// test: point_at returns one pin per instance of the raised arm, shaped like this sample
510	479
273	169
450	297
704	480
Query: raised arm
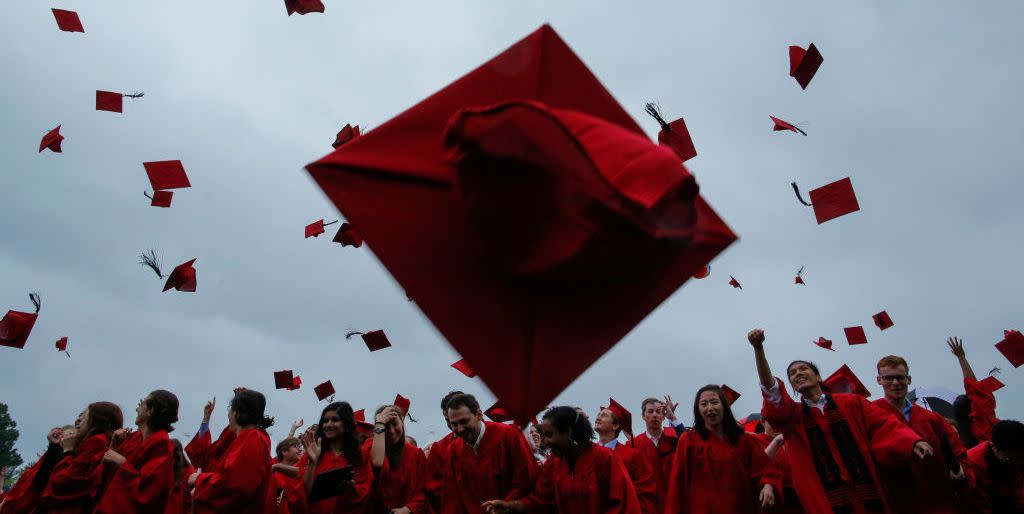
764	372
956	345
295	426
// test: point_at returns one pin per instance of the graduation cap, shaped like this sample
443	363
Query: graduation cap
348	236
464	368
68	21
845	381
160	198
182	278
558	251
317	227
673	135
803	64
284	379
403	403
831	201
346	134
51	140
16	326
62	346
785	125
498	413
799	276
731	395
303	6
623	415
296	383
166	175
882	320
113	102
824	343
361	425
855	335
734	283
324	390
991	384
703	272
1012	347
375	340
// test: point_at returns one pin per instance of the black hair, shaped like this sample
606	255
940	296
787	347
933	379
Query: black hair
463	400
249	407
569	419
180	462
393	451
349	441
730	427
1008	437
964	425
449	396
163	407
813	366
101	418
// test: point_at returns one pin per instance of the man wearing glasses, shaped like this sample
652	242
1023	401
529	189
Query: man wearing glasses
937	484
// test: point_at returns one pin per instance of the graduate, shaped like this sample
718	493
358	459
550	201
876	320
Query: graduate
835	441
935	485
580	476
77	478
240	480
717	466
608	424
286	481
24	496
658	443
181	494
975	412
773	444
489	461
143	480
438	457
203	452
997	469
399	468
331	446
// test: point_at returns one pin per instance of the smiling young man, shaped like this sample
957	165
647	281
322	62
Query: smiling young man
936	485
836	442
608	424
658	443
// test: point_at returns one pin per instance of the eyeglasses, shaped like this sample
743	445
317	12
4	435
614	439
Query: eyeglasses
894	378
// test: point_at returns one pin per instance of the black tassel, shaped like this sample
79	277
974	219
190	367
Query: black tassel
147	195
137	94
331	223
652	109
150	260
800	271
798	197
350	334
994	371
36	300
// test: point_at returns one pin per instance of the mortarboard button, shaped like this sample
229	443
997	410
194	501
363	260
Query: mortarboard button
803	64
284	379
346	134
831	201
68	21
845	381
52	140
731	395
464	368
324	390
348	236
824	343
375	340
673	135
1012	347
882	320
785	125
16	326
734	283
855	335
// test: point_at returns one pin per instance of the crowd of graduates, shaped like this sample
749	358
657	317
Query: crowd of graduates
829	452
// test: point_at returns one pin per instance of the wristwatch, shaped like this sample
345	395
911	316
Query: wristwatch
378	428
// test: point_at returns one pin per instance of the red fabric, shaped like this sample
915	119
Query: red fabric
287	492
1009	490
376	340
52	140
597	484
402	487
162	199
824	343
204	453
734	283
983	409
68	21
855	335
502	468
659	458
438	472
62	344
642	477
781	125
315	229
240	480
166	175
464	368
787	502
834	200
15	327
531	335
181	496
713	476
678	139
77	479
803	64
109	101
844	380
23	498
882	320
182	278
348	236
1012	347
346	134
881	438
929	488
324	390
303	6
143	484
356	501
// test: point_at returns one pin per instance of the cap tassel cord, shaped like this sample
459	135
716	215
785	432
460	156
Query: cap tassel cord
798	197
652	109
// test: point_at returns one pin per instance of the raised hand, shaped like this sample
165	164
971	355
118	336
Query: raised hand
208	409
119	436
956	345
756	337
312	446
670	408
54	436
68	440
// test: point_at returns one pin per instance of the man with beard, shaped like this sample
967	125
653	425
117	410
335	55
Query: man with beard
438	460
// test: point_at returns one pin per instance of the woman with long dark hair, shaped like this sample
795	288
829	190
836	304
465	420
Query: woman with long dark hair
181	495
580	476
717	466
974	412
399	468
77	479
240	481
332	446
143	479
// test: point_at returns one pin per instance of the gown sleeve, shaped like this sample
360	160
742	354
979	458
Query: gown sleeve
983	410
239	475
80	475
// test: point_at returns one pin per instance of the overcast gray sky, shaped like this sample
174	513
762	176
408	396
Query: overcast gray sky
917	101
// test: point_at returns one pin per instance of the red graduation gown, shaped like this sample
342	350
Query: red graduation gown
204	453
353	502
181	496
787	502
712	476
240	480
880	439
659	458
287	492
23	498
143	484
643	479
438	466
404	486
1006	494
929	489
983	410
502	468
77	480
597	484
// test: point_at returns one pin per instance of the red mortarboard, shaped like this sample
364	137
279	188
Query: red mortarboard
799	276
68	20
317	227
346	134
283	379
361	425
464	368
108	101
52	140
16	326
296	383
182	278
673	135
845	381
731	395
824	343
991	384
831	201
703	272
303	6
882	320
348	236
1012	347
734	283
166	175
803	64
62	344
324	390
624	416
785	125
855	335
375	340
402	403
498	413
525	250
161	198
